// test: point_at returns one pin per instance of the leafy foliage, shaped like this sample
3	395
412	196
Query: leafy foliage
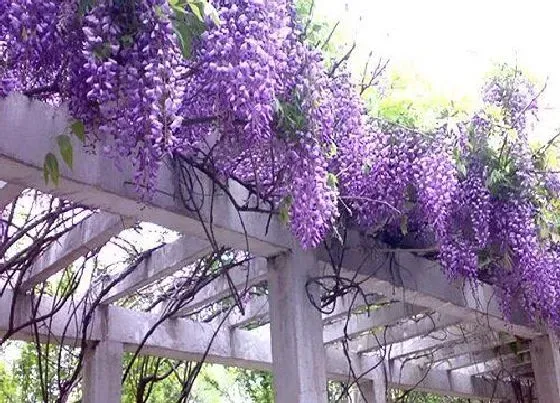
250	79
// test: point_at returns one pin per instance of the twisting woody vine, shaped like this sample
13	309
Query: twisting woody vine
235	90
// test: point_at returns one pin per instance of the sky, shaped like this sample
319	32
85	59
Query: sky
453	44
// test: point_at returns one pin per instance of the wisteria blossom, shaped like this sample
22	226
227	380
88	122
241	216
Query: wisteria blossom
249	99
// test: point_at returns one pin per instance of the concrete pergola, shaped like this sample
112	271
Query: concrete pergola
443	337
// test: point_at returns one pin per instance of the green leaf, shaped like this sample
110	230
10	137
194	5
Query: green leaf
102	51
544	232
215	265
184	38
78	129
284	214
332	150
507	261
202	9
197	9
284	211
127	40
404	224
159	12
496	178
461	168
211	12
66	151
84	6
332	180
46	174
50	169
187	27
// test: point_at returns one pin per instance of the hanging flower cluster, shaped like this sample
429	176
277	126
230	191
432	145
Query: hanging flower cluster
234	89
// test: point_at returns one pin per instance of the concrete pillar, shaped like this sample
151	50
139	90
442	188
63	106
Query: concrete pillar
298	354
370	391
545	357
102	373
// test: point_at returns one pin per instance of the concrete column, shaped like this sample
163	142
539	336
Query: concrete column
102	373
545	357
370	391
298	354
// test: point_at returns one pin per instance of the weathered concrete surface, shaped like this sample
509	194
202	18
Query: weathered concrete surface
402	374
96	182
363	322
545	356
370	391
93	232
296	330
174	339
402	332
247	275
8	193
421	282
102	373
162	262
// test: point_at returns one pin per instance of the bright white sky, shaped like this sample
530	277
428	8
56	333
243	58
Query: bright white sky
454	43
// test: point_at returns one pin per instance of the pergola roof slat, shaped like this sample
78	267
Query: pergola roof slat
162	262
93	232
8	193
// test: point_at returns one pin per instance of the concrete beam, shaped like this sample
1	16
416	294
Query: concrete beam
432	342
545	355
404	375
91	233
96	182
373	390
405	331
480	358
102	373
63	323
296	330
454	356
348	302
244	277
421	282
364	322
183	339
8	193
483	355
256	310
161	263
521	371
500	365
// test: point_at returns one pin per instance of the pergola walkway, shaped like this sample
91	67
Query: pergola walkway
429	334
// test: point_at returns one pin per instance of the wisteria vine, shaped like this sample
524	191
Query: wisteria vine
233	87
